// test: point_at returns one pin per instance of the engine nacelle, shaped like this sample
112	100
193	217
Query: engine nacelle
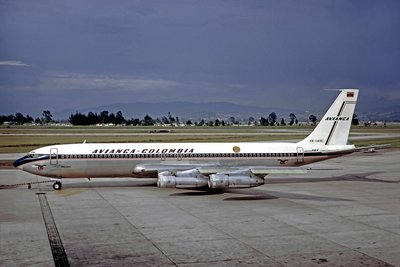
220	181
182	179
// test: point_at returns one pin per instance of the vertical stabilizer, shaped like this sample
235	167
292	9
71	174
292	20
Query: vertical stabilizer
334	127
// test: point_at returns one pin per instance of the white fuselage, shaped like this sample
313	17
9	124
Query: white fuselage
90	160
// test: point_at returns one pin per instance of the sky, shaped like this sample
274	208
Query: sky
73	54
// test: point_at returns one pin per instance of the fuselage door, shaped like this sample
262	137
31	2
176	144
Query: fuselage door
163	157
300	155
53	156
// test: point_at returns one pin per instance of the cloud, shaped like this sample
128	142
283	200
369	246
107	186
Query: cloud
13	63
106	82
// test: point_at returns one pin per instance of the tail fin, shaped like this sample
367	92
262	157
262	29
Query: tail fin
334	127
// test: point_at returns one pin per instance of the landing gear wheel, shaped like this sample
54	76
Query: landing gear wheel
57	186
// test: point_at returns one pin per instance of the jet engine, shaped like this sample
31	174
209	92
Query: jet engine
181	179
234	180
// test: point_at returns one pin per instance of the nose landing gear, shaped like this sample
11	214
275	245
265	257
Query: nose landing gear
57	185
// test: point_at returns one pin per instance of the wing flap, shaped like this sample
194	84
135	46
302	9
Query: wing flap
277	170
152	168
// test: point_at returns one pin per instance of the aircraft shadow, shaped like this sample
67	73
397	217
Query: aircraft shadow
356	177
111	184
198	193
250	195
255	194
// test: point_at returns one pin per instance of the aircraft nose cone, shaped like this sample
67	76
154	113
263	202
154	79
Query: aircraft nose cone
20	161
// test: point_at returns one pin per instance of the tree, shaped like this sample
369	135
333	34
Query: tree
148	121
6	118
170	118
355	120
28	119
157	121
283	122
165	120
189	122
104	116
201	123
292	119
217	122
19	118
134	122
272	118
313	119
47	116
232	120
111	118
93	118
264	121
251	121
79	119
119	118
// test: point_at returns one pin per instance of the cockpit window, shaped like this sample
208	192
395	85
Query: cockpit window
33	156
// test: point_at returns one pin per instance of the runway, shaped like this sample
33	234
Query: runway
344	213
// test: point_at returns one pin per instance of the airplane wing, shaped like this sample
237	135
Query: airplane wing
211	176
207	169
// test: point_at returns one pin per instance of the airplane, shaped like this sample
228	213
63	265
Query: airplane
199	165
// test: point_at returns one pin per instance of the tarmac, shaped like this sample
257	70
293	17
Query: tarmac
346	212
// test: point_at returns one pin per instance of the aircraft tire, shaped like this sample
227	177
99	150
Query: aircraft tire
57	186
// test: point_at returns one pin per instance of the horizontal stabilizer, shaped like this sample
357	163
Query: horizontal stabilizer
371	148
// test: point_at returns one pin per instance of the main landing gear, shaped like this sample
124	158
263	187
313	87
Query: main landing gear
57	185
